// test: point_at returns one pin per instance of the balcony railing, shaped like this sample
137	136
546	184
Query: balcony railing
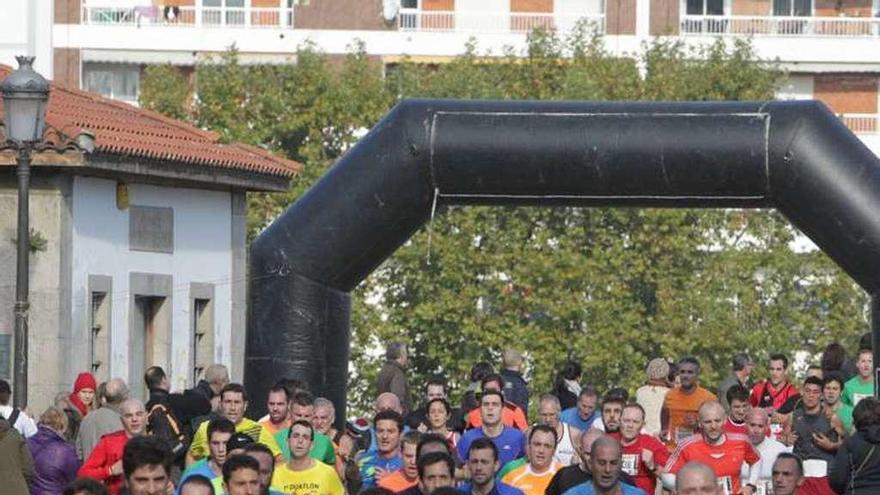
862	123
492	22
249	17
734	25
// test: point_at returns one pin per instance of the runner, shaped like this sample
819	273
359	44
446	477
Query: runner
584	413
278	405
303	475
567	435
861	385
219	432
408	477
233	404
439	415
738	398
768	448
435	388
376	464
831	394
576	474
788	474
612	408
482	465
643	455
605	463
724	453
534	476
302	408
436	470
773	391
509	441
679	418
652	394
511	414
241	475
816	433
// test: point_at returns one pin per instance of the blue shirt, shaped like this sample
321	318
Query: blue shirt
370	460
498	489
586	488
511	444
571	417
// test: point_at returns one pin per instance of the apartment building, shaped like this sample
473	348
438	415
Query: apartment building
831	48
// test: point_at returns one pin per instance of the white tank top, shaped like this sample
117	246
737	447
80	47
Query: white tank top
564	447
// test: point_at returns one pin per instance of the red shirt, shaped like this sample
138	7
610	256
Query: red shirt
764	394
106	453
731	427
633	465
725	458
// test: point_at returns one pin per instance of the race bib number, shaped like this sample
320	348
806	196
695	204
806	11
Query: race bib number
725	483
682	434
775	430
858	398
630	464
764	487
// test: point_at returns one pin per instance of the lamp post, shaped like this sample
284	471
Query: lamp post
25	94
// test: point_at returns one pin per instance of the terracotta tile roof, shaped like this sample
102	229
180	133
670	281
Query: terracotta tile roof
124	130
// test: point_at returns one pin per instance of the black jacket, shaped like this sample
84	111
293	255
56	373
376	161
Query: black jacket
516	389
857	463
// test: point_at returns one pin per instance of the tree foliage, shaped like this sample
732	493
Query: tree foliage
611	288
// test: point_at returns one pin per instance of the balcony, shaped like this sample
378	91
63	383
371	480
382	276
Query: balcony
207	17
862	123
784	26
492	22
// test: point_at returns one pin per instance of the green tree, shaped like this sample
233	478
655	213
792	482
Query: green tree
609	287
166	91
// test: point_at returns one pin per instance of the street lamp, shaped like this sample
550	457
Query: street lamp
25	95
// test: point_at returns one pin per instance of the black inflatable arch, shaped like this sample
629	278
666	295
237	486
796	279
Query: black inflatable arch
793	156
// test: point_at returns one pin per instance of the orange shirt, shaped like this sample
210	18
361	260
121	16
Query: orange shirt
397	482
511	415
530	482
725	459
683	409
266	423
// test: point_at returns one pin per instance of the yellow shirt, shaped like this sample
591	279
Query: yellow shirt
320	479
530	482
199	447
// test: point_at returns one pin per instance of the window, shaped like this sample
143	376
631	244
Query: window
99	335
202	337
797	8
223	12
150	339
705	7
116	81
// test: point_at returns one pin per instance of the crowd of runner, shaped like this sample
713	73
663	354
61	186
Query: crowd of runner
672	435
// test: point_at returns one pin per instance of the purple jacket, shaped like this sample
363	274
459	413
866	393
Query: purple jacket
55	462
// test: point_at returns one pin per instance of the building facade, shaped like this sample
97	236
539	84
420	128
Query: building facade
138	246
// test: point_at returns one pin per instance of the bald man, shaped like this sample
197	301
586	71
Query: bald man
696	478
768	448
724	452
606	458
386	401
106	419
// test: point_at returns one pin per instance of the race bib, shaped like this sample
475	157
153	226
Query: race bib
726	485
682	434
775	430
815	468
764	487
629	464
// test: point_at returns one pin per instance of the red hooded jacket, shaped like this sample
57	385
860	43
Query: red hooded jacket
106	454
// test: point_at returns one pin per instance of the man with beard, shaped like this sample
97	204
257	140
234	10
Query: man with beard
482	465
278	406
678	418
612	408
643	455
605	464
535	475
724	452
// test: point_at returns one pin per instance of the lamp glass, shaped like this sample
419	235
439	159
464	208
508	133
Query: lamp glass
25	118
